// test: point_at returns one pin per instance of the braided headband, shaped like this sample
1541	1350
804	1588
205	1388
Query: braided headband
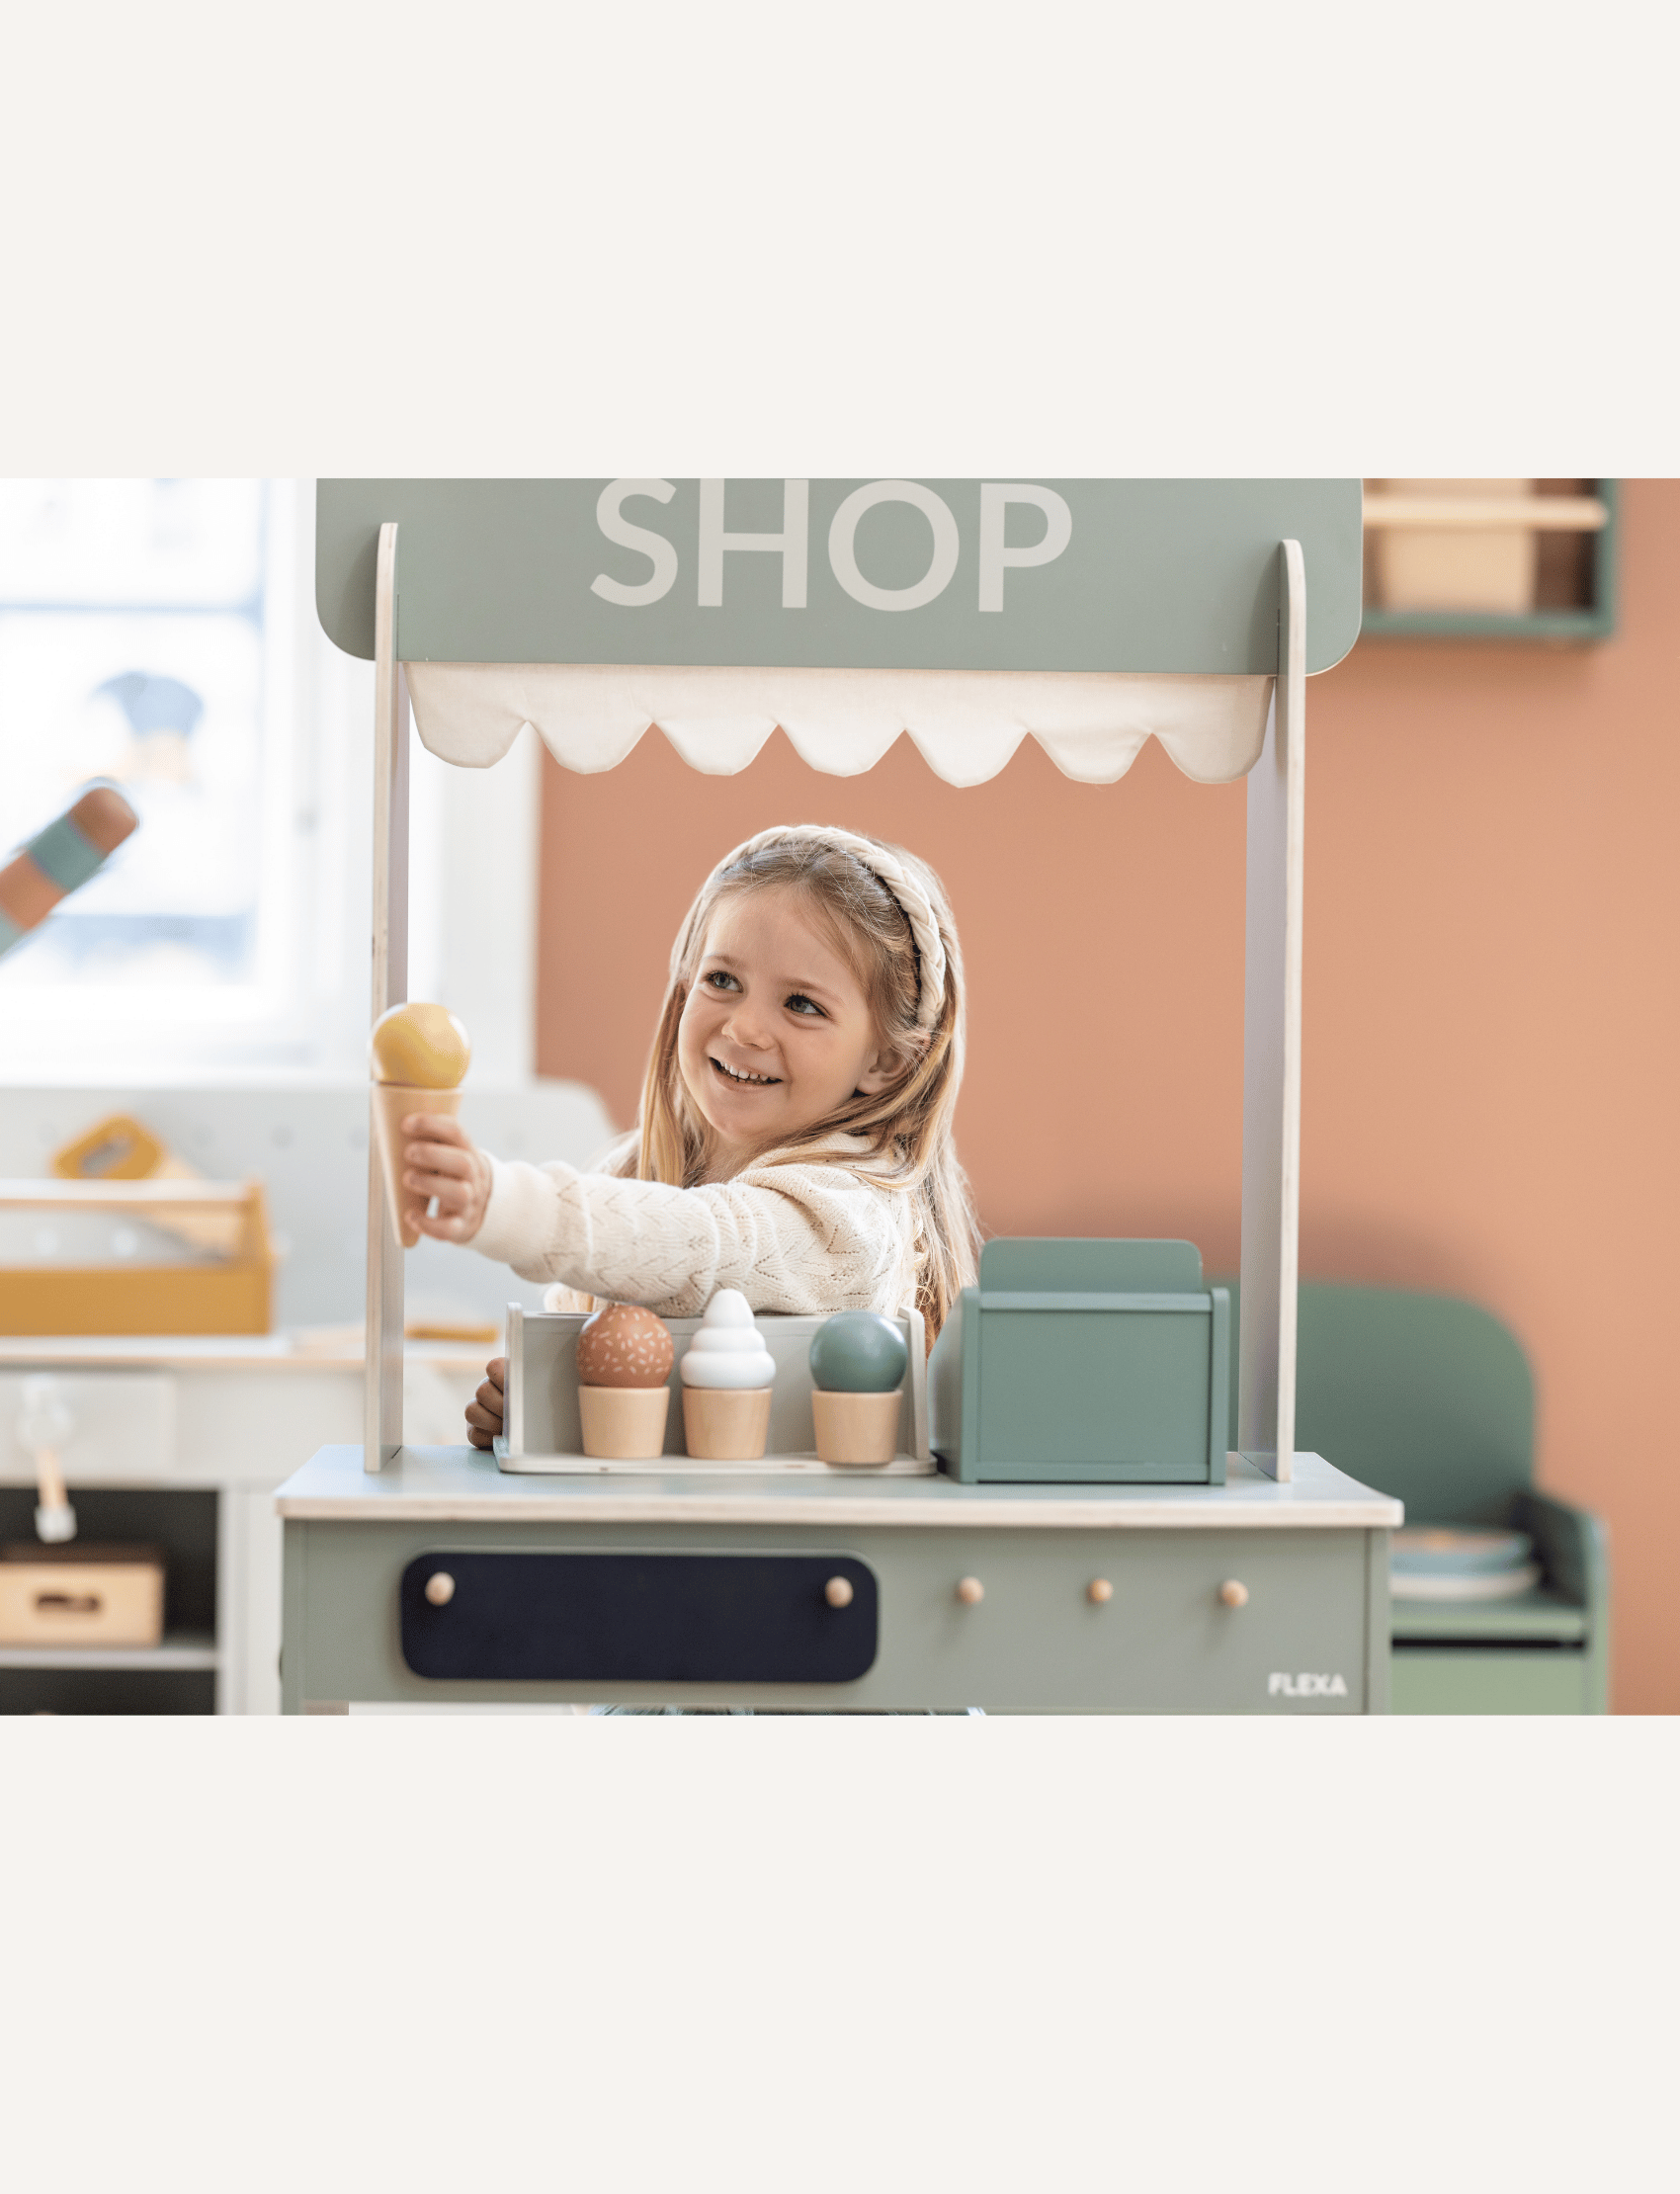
913	902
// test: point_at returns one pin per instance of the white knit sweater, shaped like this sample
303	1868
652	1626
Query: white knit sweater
811	1237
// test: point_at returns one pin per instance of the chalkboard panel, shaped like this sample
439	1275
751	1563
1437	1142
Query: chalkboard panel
634	1617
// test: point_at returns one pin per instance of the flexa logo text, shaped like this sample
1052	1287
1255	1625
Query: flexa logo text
1305	1687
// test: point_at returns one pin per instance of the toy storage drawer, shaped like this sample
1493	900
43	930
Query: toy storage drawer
1195	1622
1296	1641
640	1618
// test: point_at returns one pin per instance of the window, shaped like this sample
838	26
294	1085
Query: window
161	633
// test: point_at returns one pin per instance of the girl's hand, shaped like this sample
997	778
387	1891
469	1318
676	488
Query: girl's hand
442	1161
484	1412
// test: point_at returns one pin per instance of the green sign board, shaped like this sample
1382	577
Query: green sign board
1013	575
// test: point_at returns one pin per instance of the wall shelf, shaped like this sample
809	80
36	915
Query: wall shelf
180	1675
1590	621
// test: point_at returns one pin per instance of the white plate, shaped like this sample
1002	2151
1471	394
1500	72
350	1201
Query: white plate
1503	1584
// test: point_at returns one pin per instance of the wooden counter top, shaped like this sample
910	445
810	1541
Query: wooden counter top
463	1485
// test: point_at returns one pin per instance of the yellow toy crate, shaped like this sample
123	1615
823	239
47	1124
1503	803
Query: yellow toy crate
134	1257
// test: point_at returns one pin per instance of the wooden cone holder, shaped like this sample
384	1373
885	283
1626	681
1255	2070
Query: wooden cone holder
624	1424
856	1430
393	1103
724	1424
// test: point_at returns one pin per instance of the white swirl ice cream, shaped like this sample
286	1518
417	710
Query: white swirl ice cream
727	1352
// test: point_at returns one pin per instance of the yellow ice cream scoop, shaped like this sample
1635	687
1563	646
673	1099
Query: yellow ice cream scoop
422	1047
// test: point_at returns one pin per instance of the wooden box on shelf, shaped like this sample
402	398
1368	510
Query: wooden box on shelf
148	1256
1431	555
70	1595
1491	559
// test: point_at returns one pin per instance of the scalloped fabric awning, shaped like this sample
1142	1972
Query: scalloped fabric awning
965	723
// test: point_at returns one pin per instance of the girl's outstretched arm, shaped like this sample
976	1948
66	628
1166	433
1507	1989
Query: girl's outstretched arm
811	1237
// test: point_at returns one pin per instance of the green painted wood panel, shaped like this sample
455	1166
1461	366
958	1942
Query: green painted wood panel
1089	1265
1081	1361
1035	1644
1157	575
1055	1387
1538	1615
1430	1679
1379	1658
1076	1393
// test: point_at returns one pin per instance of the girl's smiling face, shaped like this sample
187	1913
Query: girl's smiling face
776	1033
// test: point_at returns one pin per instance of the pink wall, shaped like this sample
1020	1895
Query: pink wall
1492	1054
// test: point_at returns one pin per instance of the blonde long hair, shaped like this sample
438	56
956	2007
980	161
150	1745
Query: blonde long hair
907	1126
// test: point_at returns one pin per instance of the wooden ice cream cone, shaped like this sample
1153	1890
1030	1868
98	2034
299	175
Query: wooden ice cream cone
726	1424
393	1103
624	1424
856	1429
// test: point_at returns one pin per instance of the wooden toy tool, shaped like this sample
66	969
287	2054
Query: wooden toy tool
61	858
41	1429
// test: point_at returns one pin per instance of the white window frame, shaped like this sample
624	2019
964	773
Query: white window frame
472	893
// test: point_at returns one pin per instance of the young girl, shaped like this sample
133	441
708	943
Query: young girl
795	1132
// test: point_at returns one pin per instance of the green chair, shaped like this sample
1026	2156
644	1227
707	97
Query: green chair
1431	1400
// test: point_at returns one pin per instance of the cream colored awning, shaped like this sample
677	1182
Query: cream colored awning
965	723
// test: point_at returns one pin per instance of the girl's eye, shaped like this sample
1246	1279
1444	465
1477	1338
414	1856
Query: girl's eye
720	979
800	1003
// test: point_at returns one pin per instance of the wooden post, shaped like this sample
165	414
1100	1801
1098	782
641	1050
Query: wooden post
1271	1051
382	1432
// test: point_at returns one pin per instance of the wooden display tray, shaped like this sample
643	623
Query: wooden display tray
543	1436
221	1281
661	1466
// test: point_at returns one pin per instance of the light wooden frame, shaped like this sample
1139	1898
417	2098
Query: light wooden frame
1271	1129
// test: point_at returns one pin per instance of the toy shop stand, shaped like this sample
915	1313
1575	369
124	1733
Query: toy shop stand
1063	1529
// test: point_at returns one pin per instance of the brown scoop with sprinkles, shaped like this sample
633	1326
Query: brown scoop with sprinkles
624	1345
624	1359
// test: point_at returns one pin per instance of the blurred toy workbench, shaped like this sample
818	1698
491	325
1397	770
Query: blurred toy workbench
445	1581
178	1441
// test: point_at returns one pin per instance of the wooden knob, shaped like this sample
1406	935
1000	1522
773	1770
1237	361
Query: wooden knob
440	1588
971	1591
838	1591
1098	1592
1233	1593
